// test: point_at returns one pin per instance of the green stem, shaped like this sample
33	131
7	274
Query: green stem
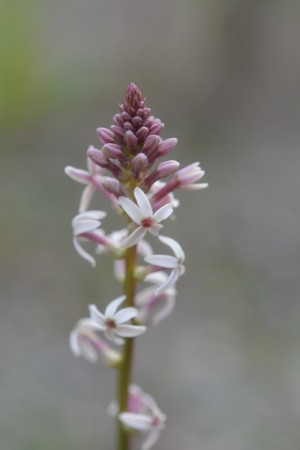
125	371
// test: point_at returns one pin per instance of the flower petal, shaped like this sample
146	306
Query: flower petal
166	261
113	306
174	245
111	336
136	421
81	176
130	330
83	253
173	277
151	439
86	197
131	209
167	306
143	202
163	213
135	237
125	314
97	316
155	229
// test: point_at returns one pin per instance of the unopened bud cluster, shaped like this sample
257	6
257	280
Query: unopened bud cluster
128	171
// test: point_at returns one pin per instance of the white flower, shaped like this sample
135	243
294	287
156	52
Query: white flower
113	322
91	177
151	422
154	308
142	214
83	225
169	262
86	343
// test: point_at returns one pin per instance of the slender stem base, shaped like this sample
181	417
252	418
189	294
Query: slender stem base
125	371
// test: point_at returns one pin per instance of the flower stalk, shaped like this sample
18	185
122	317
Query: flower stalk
140	188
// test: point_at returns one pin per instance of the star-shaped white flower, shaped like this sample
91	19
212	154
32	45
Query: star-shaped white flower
91	178
83	224
151	423
175	263
142	214
112	323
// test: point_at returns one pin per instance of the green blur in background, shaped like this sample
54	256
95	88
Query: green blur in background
224	77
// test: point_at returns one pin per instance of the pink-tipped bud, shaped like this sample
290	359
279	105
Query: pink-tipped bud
130	139
113	151
139	162
163	170
142	133
166	146
111	185
151	144
137	121
118	132
156	127
97	156
189	174
105	135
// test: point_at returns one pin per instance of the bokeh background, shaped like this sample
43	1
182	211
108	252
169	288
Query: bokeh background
224	77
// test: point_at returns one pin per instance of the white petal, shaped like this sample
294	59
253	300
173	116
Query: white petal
136	421
163	213
91	214
155	229
194	187
155	277
130	330
131	209
144	249
173	277
83	253
151	439
81	176
143	202
119	270
166	261
86	197
97	316
113	306
111	336
144	296
135	237
125	314
84	226
167	306
174	245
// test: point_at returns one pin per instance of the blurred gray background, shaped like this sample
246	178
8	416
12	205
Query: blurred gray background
224	77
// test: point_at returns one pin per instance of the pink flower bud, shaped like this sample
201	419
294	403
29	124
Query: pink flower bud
111	185
139	162
97	156
156	127
105	135
113	151
142	133
118	132
151	144
167	167
130	139
166	146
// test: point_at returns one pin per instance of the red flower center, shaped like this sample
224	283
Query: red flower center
147	223
110	323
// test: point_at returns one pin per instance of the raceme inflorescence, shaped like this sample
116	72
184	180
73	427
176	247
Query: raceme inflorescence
127	170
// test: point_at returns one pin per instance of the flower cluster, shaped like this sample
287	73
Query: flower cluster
127	170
